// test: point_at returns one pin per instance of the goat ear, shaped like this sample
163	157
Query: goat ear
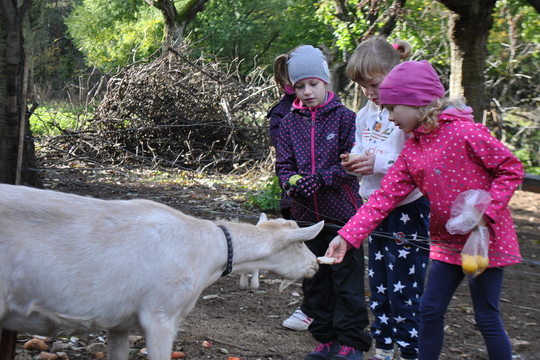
305	234
262	218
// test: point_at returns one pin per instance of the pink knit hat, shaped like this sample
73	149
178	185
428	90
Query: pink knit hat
413	83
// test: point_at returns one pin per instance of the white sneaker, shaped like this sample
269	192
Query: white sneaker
297	321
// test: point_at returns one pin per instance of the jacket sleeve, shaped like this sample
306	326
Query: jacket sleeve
335	175
359	124
285	161
505	168
357	146
383	162
395	187
276	115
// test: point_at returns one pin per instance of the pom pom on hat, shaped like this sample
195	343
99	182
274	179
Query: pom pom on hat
413	83
307	62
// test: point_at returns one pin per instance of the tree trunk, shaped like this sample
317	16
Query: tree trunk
176	21
470	24
17	160
11	65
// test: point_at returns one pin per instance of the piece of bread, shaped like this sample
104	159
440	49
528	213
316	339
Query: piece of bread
352	157
326	260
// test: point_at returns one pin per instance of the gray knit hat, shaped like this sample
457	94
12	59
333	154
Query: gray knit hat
307	62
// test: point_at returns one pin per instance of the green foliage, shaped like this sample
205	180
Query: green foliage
112	34
526	158
256	31
266	199
56	119
421	25
299	26
349	26
420	22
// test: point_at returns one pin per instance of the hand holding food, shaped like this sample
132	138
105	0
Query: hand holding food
294	179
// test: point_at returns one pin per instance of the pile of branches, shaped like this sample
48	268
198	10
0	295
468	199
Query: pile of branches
180	112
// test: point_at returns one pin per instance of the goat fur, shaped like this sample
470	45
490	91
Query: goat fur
71	264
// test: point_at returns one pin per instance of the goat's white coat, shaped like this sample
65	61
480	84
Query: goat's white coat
73	264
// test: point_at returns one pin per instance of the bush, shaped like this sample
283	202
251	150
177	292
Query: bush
266	199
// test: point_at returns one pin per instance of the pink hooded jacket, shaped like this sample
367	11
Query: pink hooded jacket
457	156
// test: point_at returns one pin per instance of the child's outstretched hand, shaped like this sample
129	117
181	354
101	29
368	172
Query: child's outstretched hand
337	249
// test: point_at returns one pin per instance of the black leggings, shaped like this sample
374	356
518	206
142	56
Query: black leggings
335	297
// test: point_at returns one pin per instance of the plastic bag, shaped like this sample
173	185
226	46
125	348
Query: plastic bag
474	256
467	211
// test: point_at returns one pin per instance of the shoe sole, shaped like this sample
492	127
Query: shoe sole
295	328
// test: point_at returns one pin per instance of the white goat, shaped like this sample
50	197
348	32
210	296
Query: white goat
73	264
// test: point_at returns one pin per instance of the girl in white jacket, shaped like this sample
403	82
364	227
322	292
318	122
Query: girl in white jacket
397	264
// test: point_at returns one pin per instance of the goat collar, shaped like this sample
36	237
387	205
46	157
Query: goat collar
229	250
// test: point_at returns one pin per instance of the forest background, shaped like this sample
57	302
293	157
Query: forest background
75	51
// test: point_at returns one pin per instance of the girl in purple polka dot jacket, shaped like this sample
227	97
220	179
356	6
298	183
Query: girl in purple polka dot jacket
312	137
448	154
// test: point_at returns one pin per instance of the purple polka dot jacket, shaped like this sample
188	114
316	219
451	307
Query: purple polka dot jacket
310	142
457	156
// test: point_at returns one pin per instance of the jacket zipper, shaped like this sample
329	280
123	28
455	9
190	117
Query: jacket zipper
351	196
313	165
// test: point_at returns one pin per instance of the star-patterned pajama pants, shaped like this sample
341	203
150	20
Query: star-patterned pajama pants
398	261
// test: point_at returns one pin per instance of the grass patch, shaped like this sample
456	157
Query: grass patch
53	119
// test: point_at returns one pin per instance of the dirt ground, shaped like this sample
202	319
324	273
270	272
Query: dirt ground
247	324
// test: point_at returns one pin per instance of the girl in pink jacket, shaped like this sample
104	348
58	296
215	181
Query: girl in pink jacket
448	155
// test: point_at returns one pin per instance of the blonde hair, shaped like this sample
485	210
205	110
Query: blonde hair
429	114
376	56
